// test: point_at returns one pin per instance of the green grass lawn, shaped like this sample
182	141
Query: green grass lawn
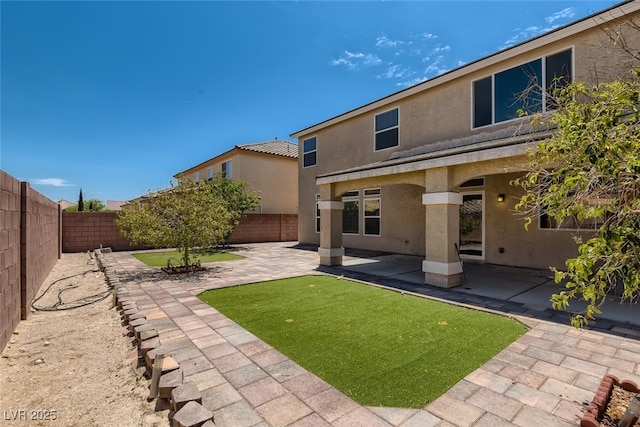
159	259
380	347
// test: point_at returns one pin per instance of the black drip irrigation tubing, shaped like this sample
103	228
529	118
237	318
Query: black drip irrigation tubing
81	302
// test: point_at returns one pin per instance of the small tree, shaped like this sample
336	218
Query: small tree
590	170
95	205
80	202
237	197
187	216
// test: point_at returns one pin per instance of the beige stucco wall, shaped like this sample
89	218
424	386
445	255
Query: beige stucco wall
275	178
441	113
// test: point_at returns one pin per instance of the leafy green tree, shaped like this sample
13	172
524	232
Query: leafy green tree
80	202
95	205
589	170
186	216
238	198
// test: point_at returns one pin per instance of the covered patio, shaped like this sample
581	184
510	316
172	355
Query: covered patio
519	291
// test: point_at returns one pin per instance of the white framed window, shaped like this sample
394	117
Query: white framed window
372	211
210	173
196	176
387	130
309	152
227	170
351	212
371	216
499	97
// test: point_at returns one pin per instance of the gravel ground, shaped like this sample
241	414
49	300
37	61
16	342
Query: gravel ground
72	363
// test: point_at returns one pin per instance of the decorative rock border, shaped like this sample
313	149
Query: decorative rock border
185	398
596	408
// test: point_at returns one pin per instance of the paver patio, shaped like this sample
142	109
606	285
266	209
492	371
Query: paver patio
544	378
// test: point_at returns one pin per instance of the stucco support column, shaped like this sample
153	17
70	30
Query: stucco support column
441	266
330	205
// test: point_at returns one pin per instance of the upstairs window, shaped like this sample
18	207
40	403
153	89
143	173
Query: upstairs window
196	176
226	169
309	149
498	98
386	130
209	173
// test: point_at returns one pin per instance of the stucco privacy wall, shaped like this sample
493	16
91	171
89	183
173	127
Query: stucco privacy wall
255	228
29	248
85	231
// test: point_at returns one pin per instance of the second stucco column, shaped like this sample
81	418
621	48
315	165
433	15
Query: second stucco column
330	250
441	266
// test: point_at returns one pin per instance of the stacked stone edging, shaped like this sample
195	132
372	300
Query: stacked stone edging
185	398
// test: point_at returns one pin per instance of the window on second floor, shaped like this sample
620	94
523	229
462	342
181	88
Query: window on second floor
309	152
210	173
500	97
196	176
386	130
226	169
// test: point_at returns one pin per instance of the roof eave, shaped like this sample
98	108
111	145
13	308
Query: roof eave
586	23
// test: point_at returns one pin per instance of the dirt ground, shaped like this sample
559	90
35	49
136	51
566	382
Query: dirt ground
75	365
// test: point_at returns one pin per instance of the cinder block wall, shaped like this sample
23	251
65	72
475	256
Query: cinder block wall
255	228
9	256
40	246
29	248
86	231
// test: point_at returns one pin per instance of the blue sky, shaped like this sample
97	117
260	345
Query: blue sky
116	97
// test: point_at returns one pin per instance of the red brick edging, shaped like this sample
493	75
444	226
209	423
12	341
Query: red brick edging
596	408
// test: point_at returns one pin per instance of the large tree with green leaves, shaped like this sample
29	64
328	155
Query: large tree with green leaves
589	170
187	216
237	196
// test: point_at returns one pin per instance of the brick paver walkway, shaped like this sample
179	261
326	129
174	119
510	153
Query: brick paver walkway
543	379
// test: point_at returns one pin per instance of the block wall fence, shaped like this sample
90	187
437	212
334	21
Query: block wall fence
34	232
85	231
30	245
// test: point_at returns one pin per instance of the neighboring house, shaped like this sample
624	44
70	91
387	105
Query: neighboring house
64	204
115	205
426	171
270	168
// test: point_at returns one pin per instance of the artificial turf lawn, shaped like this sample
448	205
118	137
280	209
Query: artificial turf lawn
159	259
379	347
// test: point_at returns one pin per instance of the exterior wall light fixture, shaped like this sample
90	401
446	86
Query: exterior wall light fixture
500	198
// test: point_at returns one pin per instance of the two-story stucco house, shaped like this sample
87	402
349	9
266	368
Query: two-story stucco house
427	170
270	169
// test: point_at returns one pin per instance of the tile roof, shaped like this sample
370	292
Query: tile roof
277	147
274	147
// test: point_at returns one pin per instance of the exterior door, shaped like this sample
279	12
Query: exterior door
472	226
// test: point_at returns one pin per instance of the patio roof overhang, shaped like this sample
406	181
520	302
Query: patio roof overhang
459	152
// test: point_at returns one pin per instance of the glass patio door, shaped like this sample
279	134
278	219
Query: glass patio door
472	226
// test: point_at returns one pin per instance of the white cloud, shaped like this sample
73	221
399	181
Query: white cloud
356	60
55	182
384	41
523	34
428	36
412	82
566	13
394	71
